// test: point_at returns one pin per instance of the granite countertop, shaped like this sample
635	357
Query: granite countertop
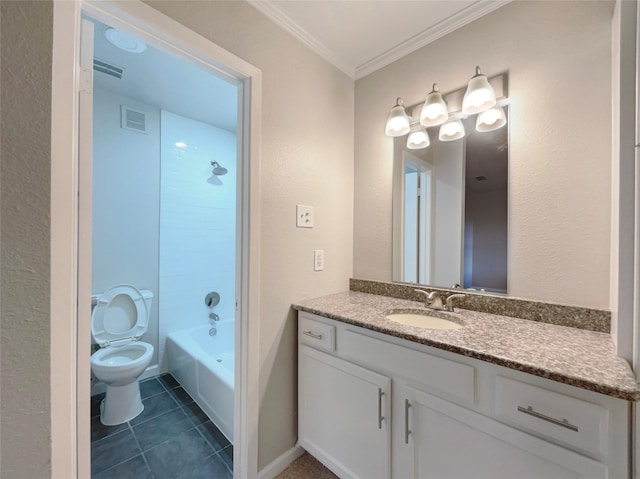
577	357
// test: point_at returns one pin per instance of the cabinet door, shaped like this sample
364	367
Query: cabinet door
448	441
344	415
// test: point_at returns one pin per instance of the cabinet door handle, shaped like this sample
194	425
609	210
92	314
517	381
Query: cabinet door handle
407	405
380	416
312	334
558	422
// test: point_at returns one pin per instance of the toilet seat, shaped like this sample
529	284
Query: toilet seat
120	316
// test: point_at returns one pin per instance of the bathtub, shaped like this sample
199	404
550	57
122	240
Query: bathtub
204	367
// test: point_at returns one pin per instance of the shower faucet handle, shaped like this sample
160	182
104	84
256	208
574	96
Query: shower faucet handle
213	317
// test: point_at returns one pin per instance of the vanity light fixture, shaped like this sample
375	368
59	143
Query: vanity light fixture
479	96
418	137
482	97
451	130
434	111
398	122
491	119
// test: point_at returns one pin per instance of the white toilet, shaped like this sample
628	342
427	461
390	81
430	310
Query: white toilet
118	321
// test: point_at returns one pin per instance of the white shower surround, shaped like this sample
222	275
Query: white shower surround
197	225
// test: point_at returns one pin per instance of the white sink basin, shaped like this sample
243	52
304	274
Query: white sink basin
423	319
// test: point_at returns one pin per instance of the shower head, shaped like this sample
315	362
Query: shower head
217	169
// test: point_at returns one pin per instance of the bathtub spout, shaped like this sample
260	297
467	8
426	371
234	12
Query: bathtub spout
213	332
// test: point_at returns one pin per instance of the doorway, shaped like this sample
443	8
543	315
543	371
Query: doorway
164	214
72	189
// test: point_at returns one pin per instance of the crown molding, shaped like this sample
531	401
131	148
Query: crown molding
455	21
288	24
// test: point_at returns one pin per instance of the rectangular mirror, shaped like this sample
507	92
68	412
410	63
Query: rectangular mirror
450	210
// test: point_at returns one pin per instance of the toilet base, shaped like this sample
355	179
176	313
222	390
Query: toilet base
121	404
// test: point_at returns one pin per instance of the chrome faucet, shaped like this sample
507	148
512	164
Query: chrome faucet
434	301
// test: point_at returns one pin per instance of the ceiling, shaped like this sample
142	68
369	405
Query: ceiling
168	82
362	36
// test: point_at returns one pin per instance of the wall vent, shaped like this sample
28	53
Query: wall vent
132	119
107	68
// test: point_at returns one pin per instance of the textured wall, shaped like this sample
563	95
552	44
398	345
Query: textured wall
307	158
26	37
558	55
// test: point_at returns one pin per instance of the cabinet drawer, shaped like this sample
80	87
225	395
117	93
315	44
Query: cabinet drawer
442	377
563	419
316	333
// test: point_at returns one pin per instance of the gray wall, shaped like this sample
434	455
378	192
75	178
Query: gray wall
25	55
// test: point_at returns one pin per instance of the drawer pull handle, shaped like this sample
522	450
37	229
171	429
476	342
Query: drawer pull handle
312	334
407	405
558	422
380	416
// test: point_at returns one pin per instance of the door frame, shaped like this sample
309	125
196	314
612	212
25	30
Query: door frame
70	416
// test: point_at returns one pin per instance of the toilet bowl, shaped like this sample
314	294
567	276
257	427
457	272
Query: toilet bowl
118	321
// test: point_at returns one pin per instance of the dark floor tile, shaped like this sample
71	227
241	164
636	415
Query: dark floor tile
113	450
161	428
181	396
150	387
99	430
168	381
196	414
135	468
211	467
214	437
95	404
227	456
172	457
155	406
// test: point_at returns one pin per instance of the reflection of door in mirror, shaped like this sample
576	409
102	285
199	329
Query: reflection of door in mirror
417	219
450	211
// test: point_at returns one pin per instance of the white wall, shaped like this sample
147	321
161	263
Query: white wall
558	56
126	209
307	158
197	225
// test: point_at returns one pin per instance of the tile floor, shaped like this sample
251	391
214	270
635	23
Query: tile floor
171	439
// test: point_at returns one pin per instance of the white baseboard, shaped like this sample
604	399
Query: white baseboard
280	463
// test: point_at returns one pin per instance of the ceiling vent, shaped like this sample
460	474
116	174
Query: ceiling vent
107	68
132	119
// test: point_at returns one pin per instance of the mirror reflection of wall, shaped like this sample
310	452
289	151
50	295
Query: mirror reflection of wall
450	204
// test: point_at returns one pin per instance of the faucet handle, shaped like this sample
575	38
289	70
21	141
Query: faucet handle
449	302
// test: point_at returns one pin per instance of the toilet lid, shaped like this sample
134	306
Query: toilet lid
120	316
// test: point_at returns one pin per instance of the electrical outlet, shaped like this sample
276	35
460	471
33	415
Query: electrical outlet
318	260
304	216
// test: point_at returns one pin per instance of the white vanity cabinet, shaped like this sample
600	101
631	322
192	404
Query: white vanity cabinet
447	441
343	414
373	405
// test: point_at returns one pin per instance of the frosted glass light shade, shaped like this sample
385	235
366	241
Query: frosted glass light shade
452	130
398	123
491	119
434	111
479	96
418	138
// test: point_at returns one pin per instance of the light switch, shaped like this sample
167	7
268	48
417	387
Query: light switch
304	216
318	260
